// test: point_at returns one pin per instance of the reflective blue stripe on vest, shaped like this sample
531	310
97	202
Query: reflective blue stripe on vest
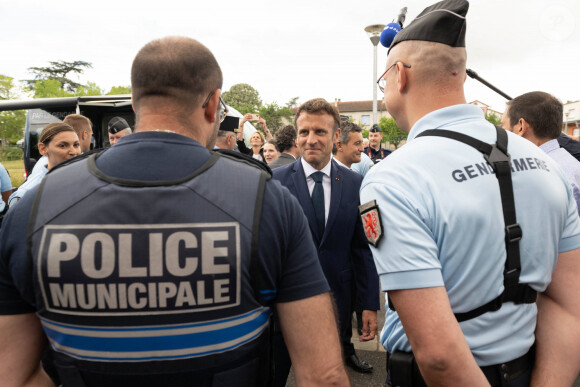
156	343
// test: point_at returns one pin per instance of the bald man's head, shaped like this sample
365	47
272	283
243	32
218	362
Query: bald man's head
178	70
423	77
433	63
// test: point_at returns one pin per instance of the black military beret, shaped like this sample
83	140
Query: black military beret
375	129
116	124
443	22
230	123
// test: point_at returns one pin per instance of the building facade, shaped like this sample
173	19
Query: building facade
571	119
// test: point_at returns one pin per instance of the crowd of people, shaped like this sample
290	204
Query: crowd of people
230	262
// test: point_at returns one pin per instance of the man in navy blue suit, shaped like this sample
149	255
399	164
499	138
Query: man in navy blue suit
329	196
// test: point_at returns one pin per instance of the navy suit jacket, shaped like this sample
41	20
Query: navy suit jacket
343	250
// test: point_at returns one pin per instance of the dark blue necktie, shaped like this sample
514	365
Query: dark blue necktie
318	199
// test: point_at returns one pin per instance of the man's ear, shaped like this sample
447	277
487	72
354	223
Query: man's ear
525	129
401	77
211	107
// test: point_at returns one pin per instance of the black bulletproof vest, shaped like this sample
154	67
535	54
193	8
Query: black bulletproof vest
152	282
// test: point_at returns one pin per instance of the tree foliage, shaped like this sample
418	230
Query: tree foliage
118	90
274	115
391	132
6	87
91	88
493	118
11	122
243	97
49	88
59	71
12	126
292	103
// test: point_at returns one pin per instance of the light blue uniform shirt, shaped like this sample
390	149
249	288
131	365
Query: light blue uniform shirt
568	163
5	184
364	165
443	226
39	167
33	180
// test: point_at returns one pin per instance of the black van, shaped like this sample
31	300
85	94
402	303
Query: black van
43	111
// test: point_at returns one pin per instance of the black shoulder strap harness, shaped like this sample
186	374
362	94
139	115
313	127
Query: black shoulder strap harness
266	174
497	156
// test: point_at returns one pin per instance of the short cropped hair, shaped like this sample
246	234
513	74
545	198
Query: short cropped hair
542	111
77	121
319	106
223	133
346	128
178	68
285	138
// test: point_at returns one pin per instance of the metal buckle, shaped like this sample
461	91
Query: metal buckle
496	156
513	233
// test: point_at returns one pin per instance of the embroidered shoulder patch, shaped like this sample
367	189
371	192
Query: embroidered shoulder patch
371	220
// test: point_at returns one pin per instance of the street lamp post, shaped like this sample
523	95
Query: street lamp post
374	33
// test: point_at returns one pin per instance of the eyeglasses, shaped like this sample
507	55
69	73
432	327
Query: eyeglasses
382	80
224	109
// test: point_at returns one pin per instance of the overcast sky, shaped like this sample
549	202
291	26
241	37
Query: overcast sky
300	48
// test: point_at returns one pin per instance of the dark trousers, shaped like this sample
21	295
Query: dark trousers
403	371
520	381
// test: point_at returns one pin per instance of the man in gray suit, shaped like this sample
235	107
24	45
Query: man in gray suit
286	145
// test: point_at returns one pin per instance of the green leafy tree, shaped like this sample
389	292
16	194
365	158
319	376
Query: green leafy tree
91	88
493	118
274	115
11	122
6	87
243	97
391	132
363	126
12	126
292	103
49	88
59	71
118	90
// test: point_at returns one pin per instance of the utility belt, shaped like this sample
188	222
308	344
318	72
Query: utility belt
253	370
402	370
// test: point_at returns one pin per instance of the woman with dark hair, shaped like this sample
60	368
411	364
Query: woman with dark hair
58	142
270	151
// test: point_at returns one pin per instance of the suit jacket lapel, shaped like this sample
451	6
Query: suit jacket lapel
335	195
301	189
